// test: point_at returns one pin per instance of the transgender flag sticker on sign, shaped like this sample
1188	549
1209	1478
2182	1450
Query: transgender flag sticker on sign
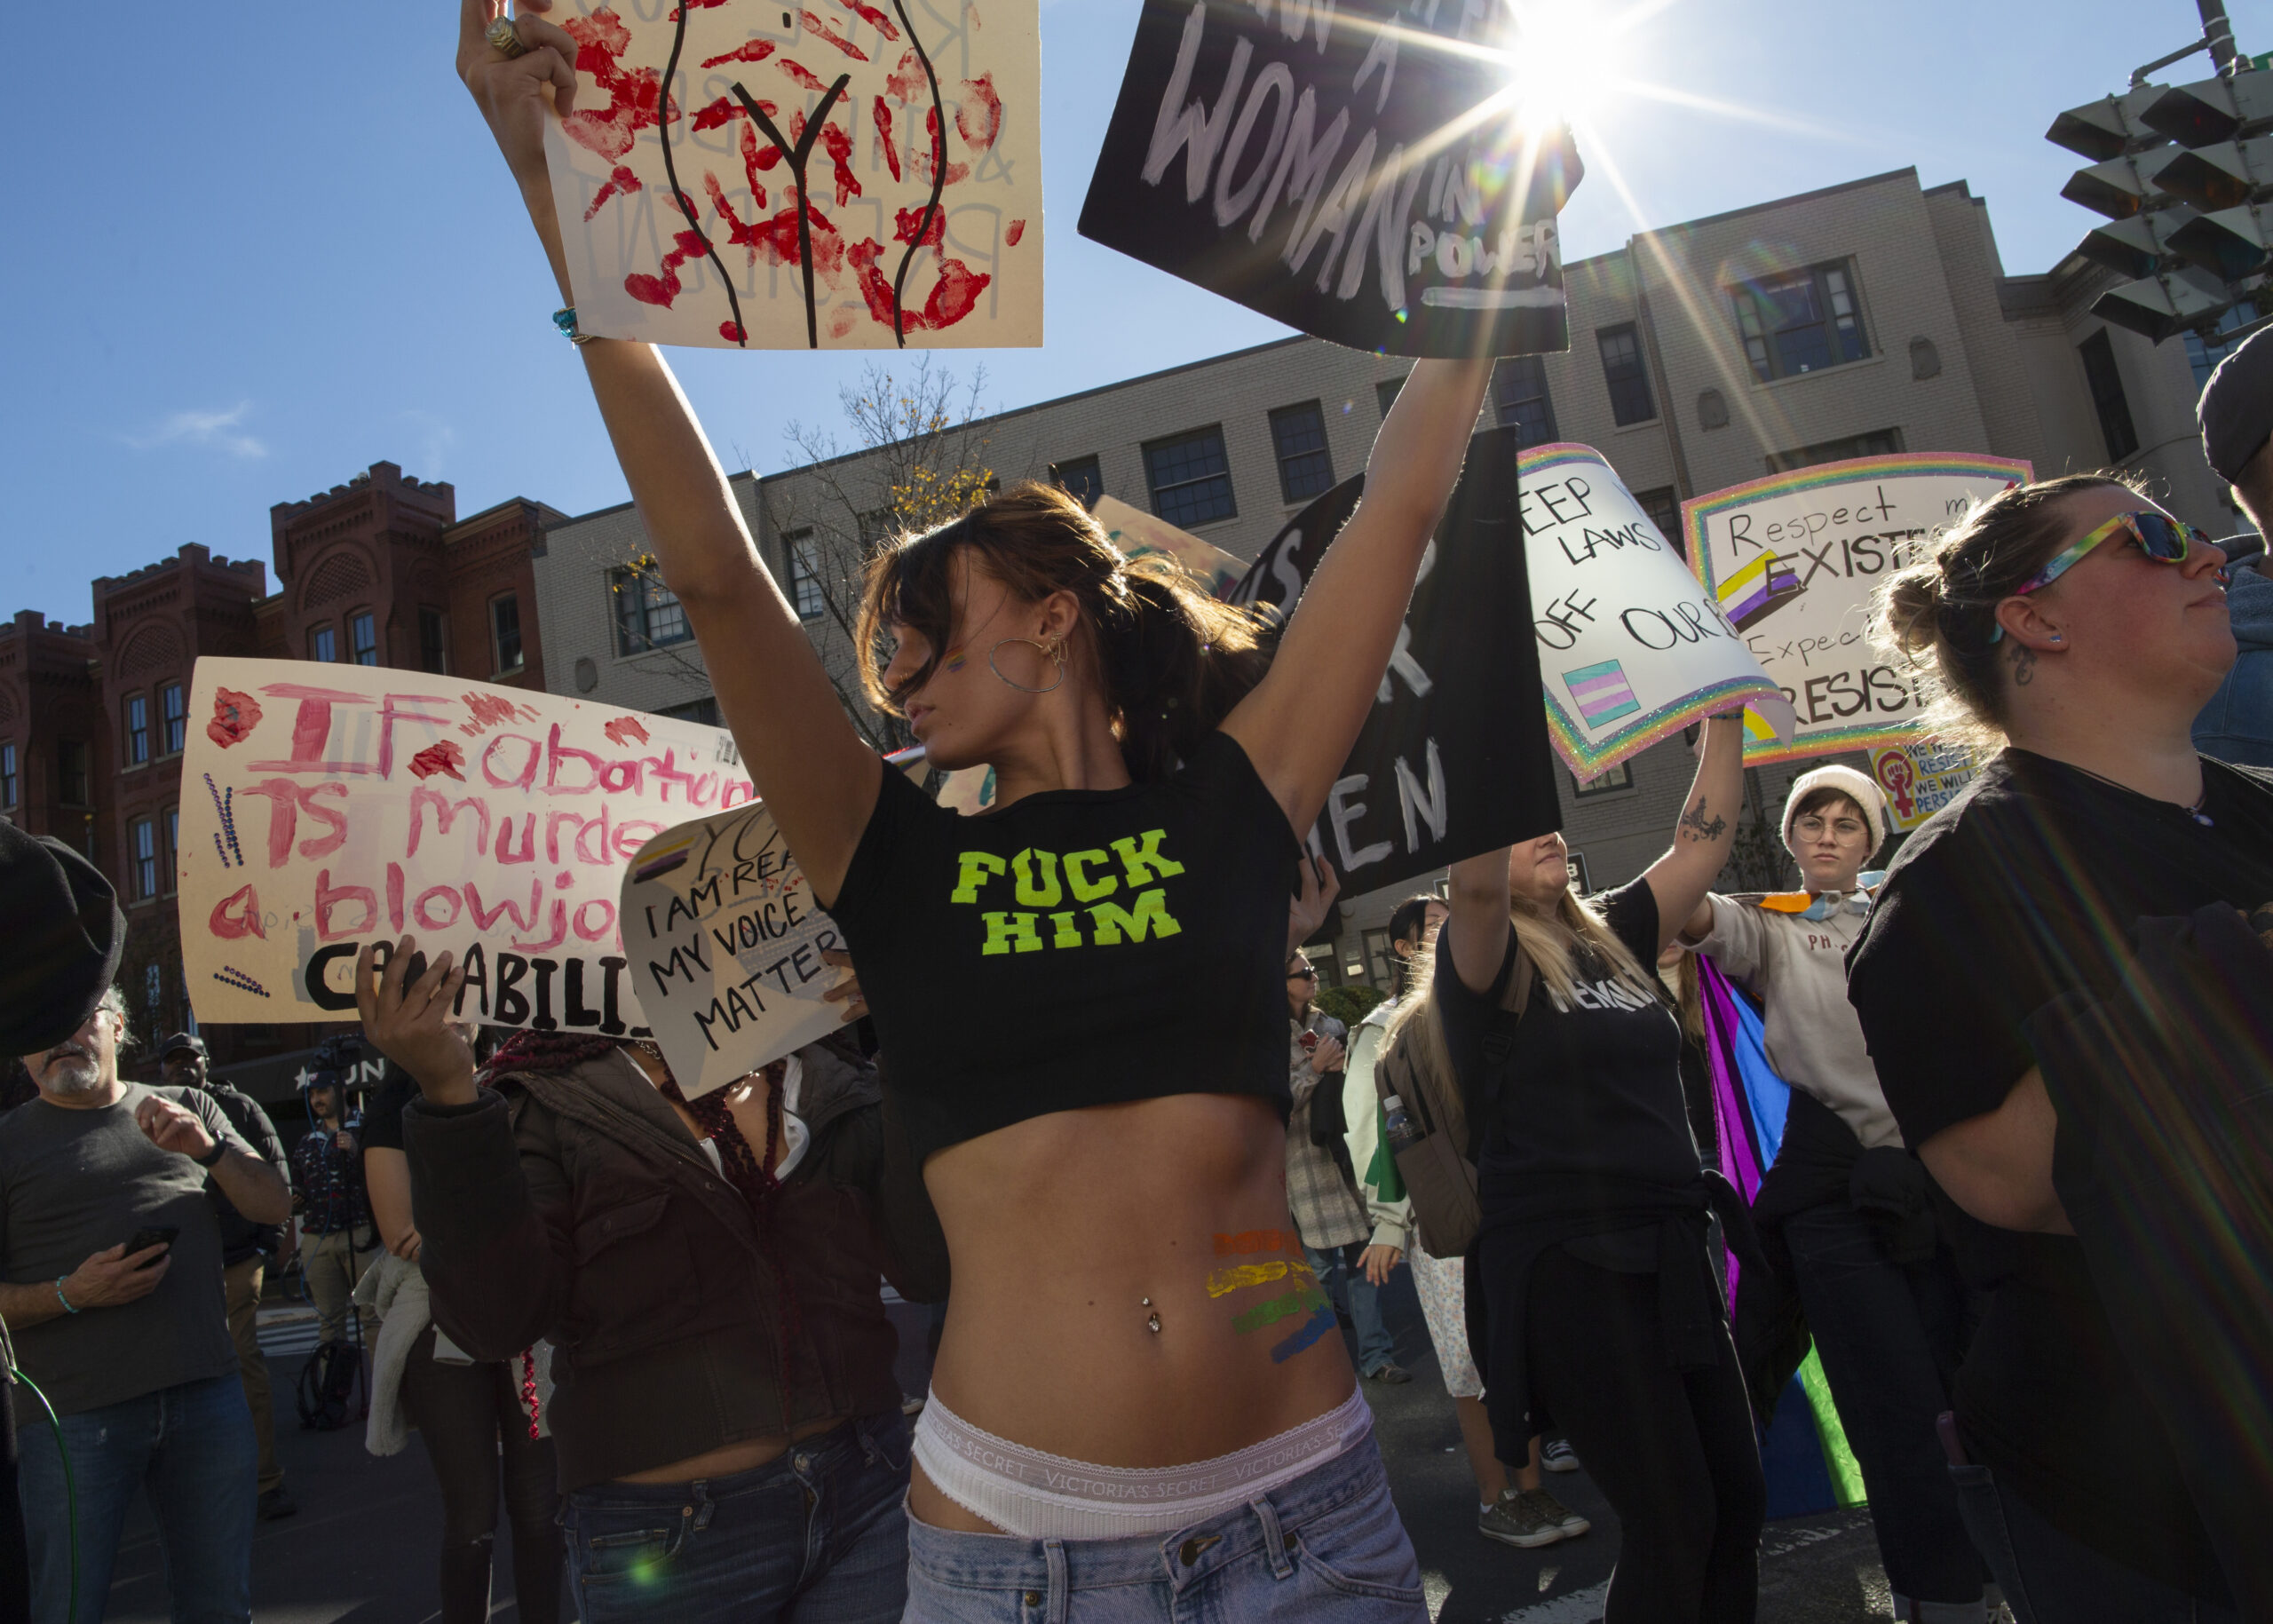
1602	693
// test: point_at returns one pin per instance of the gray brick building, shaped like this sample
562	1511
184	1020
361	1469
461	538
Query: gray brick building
1870	317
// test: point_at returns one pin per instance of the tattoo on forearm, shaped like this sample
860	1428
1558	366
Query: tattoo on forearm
1695	826
2024	665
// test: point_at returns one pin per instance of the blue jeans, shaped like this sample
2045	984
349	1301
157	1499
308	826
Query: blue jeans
1325	1548
1889	1333
192	1448
817	1536
1346	1286
2048	1577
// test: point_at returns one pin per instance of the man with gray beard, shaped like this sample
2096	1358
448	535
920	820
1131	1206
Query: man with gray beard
130	1343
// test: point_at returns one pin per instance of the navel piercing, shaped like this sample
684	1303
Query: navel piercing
1152	1320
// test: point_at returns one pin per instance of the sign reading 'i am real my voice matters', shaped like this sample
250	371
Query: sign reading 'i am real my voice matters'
1793	560
726	943
1631	647
324	806
1356	168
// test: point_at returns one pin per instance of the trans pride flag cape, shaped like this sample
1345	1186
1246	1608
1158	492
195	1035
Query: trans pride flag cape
1809	1465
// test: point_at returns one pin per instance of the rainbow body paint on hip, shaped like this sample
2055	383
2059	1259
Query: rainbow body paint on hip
1306	1299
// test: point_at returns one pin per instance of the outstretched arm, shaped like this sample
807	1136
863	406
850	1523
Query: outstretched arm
1298	724
1701	839
1478	930
803	753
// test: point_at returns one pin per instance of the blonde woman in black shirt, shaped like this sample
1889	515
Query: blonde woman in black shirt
2107	1436
1136	1361
1591	1276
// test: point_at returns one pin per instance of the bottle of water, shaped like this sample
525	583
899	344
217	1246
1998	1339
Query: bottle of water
1399	1126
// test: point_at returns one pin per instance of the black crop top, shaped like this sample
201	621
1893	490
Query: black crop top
1078	947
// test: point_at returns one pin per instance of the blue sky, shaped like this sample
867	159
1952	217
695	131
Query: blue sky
278	246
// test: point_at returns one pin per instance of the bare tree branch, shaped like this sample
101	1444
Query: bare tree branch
916	460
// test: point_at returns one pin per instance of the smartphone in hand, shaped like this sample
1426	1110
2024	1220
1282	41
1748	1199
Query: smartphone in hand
154	1235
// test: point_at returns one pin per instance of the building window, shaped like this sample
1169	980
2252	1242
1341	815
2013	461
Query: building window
172	856
71	774
363	638
1298	440
323	644
1081	478
2108	397
1385	391
647	612
137	729
7	775
154	992
1380	958
1191	477
1800	322
1627	377
1619	777
142	840
805	593
2204	358
173	717
433	642
704	710
1879	442
1519	390
1663	505
505	632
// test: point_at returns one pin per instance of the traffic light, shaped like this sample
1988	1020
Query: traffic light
2184	174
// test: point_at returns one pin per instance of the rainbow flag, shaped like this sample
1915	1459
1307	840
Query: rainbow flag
1750	1102
1602	693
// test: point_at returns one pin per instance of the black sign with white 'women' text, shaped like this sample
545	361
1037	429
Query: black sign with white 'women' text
1453	759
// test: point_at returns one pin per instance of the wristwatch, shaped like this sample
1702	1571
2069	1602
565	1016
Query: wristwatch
213	1156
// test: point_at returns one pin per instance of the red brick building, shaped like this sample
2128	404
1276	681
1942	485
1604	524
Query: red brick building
93	719
54	743
150	627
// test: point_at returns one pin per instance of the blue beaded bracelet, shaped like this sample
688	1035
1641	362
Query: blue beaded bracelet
59	1297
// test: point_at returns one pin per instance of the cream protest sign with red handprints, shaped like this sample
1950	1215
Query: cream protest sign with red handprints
324	806
830	174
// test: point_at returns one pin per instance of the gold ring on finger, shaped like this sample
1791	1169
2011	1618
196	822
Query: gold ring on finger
506	38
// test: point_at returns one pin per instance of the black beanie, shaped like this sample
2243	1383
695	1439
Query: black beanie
60	935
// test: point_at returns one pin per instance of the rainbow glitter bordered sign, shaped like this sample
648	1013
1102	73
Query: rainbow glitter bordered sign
1631	647
1792	560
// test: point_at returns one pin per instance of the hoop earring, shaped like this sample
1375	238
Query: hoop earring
1055	656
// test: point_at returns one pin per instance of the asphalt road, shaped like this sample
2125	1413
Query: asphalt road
361	1550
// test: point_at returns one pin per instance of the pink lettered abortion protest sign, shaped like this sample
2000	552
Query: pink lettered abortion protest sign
324	806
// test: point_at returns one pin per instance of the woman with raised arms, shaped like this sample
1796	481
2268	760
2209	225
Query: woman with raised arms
1078	994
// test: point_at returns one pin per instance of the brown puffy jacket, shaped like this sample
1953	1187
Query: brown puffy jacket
578	1209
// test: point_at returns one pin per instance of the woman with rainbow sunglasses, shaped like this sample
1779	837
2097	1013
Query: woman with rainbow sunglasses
2064	1000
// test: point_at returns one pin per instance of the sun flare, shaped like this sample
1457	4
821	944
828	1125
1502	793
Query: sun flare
1561	64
